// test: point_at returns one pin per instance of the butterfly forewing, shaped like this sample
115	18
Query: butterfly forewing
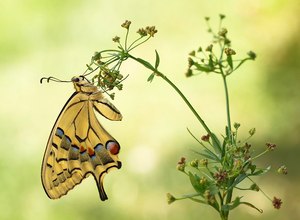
78	144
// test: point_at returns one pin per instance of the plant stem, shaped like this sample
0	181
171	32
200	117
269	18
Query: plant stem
227	108
158	73
229	131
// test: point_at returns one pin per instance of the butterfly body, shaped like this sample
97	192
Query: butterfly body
78	144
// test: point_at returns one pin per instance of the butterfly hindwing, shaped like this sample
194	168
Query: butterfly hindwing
78	144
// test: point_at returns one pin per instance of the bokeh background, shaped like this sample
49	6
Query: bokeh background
42	38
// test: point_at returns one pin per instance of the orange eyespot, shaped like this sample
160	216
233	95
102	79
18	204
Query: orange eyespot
113	147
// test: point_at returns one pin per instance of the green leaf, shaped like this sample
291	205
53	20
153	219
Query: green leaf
151	77
195	181
229	61
232	205
211	62
216	144
252	168
145	63
203	67
252	206
209	155
238	179
157	60
261	171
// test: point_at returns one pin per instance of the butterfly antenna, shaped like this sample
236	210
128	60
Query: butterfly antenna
86	74
51	78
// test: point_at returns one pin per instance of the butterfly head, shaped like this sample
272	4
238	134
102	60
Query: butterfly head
80	82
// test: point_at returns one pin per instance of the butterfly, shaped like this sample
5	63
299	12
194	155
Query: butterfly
78	145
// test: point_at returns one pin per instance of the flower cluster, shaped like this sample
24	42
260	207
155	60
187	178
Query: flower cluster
207	61
107	63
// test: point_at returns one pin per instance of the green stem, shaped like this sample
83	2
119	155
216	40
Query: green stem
227	108
230	191
149	66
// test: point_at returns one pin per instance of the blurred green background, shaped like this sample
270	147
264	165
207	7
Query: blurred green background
42	38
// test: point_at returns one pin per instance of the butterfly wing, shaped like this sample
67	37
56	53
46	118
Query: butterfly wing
78	145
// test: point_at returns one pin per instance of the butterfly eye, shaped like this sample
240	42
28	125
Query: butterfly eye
76	79
113	147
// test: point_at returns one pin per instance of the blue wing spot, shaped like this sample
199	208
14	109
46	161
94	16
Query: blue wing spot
93	157
68	140
98	147
75	148
59	132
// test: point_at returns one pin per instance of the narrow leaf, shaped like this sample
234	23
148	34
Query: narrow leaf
229	61
203	68
252	206
208	156
238	179
232	205
145	63
216	144
157	59
261	171
195	181
151	77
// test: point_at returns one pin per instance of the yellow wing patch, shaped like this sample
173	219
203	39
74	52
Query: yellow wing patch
78	145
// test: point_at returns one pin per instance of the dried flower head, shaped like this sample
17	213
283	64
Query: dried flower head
151	30
142	32
181	164
229	52
205	138
221	176
277	202
116	39
182	160
270	146
223	32
126	24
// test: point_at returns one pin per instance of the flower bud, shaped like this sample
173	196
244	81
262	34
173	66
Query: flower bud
254	187
170	198
194	163
252	131
203	162
236	125
252	55
203	180
209	48
282	170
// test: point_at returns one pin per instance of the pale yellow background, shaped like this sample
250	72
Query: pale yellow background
41	38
